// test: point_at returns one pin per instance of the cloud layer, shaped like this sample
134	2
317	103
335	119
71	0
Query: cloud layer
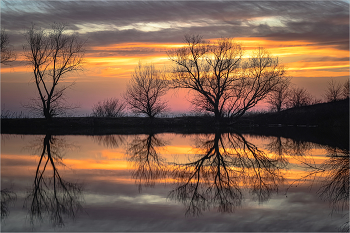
111	22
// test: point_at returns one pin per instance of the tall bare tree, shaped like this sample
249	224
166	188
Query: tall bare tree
7	53
145	90
279	96
52	55
333	91
223	83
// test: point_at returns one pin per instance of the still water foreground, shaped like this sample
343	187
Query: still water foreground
172	182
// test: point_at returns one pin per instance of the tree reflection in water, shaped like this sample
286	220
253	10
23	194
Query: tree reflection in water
334	170
336	186
287	146
225	164
109	141
51	194
144	155
7	197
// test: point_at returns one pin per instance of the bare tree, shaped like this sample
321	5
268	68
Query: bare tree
345	91
333	91
108	108
145	90
222	82
279	96
52	56
299	97
7	53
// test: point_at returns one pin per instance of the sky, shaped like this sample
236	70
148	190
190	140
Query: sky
310	38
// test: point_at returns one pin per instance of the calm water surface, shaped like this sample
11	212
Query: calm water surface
172	182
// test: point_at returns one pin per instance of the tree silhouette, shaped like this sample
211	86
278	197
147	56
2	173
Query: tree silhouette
333	91
52	55
299	97
145	90
214	179
222	82
279	96
7	53
51	194
345	91
150	166
108	108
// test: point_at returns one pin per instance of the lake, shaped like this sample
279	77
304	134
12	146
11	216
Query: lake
172	182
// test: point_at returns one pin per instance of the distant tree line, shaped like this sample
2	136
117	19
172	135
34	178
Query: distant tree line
285	96
223	80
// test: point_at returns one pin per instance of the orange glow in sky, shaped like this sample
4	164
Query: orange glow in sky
305	63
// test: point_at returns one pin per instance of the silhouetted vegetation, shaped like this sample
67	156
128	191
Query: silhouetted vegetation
223	83
333	91
299	97
331	118
52	55
278	98
112	107
345	91
7	53
146	88
334	114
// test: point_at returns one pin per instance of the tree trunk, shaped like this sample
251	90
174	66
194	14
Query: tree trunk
47	114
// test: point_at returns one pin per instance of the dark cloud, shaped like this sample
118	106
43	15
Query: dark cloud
322	33
319	22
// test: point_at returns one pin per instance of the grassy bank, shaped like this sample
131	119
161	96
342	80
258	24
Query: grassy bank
122	125
326	116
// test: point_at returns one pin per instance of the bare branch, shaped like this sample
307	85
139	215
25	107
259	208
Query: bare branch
7	53
145	90
109	108
333	91
52	55
222	83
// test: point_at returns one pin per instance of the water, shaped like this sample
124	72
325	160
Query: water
172	182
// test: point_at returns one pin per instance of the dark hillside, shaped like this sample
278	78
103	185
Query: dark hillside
334	114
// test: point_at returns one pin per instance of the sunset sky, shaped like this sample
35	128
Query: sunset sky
310	38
